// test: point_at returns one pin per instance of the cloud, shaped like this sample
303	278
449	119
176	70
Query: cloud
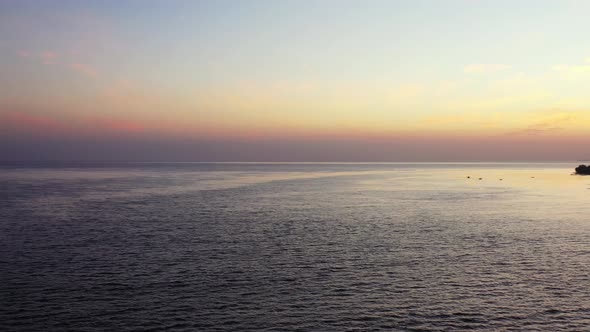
121	125
30	123
575	69
485	68
550	123
48	57
83	69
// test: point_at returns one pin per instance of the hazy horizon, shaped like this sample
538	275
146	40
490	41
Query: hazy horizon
285	151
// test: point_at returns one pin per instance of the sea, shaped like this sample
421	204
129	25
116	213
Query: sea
294	247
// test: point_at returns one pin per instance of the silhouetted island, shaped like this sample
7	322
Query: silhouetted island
583	170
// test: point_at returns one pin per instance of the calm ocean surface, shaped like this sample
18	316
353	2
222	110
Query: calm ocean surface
306	247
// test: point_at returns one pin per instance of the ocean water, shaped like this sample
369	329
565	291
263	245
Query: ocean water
294	247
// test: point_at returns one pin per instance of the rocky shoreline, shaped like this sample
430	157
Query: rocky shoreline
583	170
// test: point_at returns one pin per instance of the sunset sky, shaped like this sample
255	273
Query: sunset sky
231	80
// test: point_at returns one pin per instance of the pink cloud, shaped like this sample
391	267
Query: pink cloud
83	69
48	57
31	122
28	123
122	125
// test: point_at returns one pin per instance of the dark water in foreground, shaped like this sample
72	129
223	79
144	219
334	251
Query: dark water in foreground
308	247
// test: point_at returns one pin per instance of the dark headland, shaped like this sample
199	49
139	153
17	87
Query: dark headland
583	170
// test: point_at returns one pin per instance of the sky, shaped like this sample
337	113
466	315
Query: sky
301	80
